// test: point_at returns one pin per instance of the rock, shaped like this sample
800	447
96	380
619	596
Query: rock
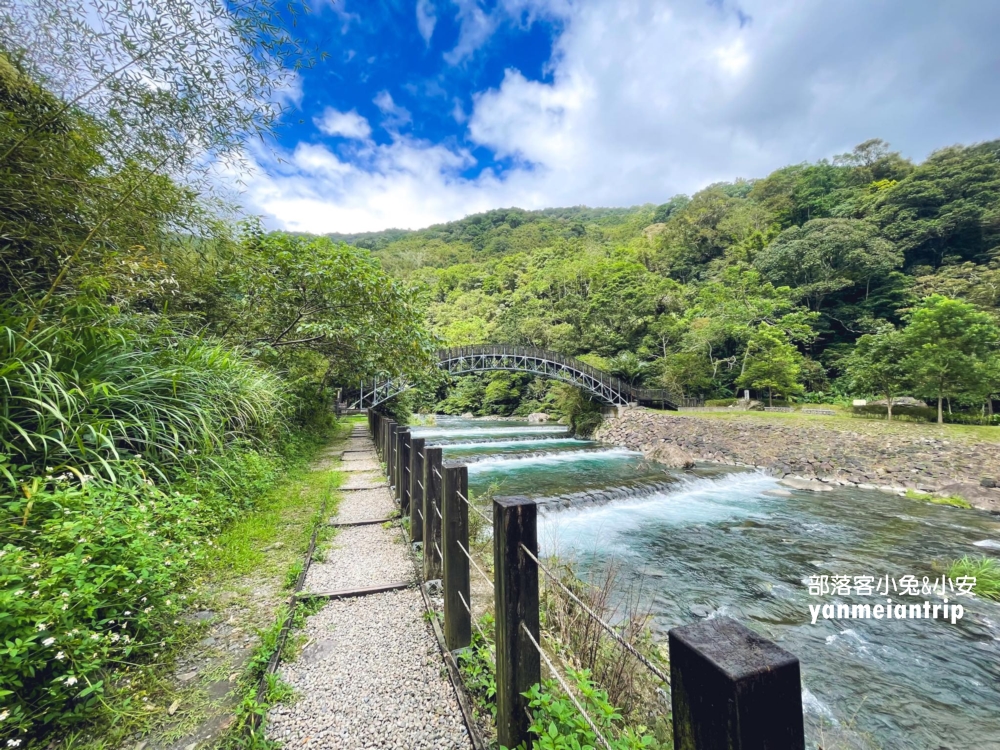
173	708
187	676
987	544
778	493
987	482
899	401
468	415
669	455
538	417
806	484
700	610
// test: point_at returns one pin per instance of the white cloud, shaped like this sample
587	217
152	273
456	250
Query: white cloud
346	124
395	116
426	19
476	26
646	99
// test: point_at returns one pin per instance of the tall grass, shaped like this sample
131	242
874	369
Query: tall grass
83	397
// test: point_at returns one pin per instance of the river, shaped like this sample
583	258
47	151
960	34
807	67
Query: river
715	541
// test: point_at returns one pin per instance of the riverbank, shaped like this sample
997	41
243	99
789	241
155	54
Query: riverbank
865	453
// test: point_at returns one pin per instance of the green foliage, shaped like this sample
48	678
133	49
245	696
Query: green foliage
952	349
953	500
986	571
476	665
772	364
557	723
877	365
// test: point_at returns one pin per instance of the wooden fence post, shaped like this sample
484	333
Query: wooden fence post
516	592
397	464
416	492
732	688
404	473
432	505
455	570
390	459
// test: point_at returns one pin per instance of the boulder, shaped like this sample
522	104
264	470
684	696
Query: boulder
668	454
468	415
538	417
898	401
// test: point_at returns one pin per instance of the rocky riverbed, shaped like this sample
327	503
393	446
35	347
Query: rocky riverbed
868	454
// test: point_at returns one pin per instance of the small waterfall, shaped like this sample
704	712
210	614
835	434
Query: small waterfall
545	458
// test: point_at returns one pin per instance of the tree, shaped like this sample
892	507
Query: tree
951	346
774	364
877	364
826	255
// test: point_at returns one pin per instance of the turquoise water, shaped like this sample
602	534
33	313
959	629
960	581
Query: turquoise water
713	542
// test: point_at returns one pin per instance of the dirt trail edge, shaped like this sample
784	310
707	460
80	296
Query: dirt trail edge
371	673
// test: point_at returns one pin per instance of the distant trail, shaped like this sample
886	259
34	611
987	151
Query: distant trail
371	672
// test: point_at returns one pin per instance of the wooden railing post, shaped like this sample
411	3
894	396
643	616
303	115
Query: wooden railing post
404	473
432	506
731	688
416	492
455	570
390	454
516	594
397	464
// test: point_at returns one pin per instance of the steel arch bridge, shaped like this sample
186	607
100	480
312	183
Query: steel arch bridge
465	360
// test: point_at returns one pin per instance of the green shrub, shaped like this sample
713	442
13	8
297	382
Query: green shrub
986	571
558	724
953	500
88	583
82	397
923	414
720	401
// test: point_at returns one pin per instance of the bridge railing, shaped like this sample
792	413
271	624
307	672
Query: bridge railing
729	687
661	395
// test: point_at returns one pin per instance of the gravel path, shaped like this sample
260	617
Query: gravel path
361	556
365	505
364	465
363	481
371	673
370	677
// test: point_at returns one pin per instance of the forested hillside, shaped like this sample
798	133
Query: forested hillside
764	284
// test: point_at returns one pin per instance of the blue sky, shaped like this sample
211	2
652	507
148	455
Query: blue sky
427	110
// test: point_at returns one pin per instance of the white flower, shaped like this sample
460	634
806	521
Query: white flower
13	743
64	594
35	593
167	602
18	592
41	626
60	656
48	641
95	637
3	552
36	565
114	637
65	607
138	455
4	714
81	540
71	680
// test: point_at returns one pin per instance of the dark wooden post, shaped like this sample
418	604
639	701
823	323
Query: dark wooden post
516	593
398	465
390	459
416	490
455	570
732	688
404	473
432	505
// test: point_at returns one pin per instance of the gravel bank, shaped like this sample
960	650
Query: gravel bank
866	453
370	677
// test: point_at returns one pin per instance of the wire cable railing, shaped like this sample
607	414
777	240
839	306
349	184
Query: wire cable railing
565	687
604	625
475	623
474	508
489	581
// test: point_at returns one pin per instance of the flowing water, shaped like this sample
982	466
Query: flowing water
713	541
